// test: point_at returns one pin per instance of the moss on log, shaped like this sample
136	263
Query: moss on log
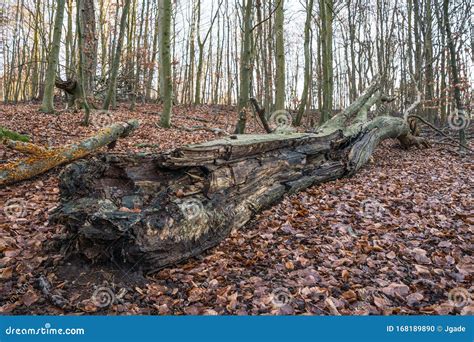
7	134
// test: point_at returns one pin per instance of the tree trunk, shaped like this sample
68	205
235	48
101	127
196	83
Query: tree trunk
430	112
81	65
90	44
352	39
307	62
155	211
35	54
71	87
460	119
326	9
47	105
112	86
139	57
165	59
280	57
151	69
103	38
197	88
243	106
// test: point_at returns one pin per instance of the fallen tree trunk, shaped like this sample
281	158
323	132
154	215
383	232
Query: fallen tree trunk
153	211
42	159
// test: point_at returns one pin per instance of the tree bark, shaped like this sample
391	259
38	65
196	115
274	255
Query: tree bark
460	114
430	112
71	87
280	56
47	105
112	86
154	211
90	44
81	66
165	60
243	106
307	62
152	66
326	12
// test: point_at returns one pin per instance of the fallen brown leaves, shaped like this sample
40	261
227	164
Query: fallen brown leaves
394	239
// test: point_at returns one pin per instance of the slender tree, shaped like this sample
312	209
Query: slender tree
82	79
326	13
165	62
47	105
307	61
280	56
90	44
455	74
139	58
112	87
243	106
428	64
201	44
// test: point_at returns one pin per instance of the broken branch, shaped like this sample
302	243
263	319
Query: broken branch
42	160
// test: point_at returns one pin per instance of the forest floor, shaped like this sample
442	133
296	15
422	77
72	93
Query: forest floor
394	239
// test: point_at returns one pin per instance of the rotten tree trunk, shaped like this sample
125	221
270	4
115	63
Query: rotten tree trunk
42	159
69	86
154	211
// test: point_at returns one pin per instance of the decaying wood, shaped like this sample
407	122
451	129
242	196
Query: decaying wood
69	86
41	159
155	210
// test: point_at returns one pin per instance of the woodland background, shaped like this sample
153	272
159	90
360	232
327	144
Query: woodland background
314	52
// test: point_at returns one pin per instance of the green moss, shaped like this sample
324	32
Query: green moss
5	133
